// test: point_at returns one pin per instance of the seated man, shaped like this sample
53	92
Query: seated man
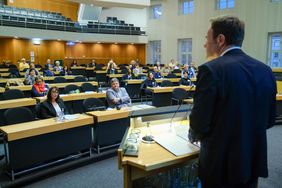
117	97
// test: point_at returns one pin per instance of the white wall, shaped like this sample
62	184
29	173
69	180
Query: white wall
138	17
261	18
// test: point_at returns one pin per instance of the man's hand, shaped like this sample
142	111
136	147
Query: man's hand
116	100
192	136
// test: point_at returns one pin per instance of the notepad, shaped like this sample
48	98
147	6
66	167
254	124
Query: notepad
175	144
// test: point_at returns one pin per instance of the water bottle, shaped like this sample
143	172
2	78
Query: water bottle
99	89
61	115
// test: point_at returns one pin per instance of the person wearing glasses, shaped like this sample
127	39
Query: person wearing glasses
39	88
117	97
53	106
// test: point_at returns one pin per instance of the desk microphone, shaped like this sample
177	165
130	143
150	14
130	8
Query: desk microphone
179	106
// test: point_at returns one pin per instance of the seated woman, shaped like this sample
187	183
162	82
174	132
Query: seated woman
117	97
39	88
30	79
53	106
185	80
149	82
48	72
31	66
65	71
74	63
92	64
112	69
58	67
128	76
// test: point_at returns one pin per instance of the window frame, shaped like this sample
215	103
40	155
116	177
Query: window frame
271	50
186	53
155	55
218	4
190	9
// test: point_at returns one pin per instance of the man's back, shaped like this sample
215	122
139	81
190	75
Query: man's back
234	105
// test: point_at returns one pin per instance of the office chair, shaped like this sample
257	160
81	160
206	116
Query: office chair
13	94
171	75
88	87
71	89
79	79
60	80
22	114
92	104
166	83
178	95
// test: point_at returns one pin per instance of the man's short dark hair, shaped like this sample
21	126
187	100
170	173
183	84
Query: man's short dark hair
231	27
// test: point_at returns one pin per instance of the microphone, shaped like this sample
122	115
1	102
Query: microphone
175	114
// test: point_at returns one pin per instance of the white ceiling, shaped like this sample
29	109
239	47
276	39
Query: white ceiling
116	3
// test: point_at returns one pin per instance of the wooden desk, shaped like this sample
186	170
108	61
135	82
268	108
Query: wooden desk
4	70
101	72
2	89
13	103
152	158
75	96
109	127
5	104
29	145
59	85
115	75
161	96
51	78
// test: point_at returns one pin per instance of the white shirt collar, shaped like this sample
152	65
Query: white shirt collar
229	49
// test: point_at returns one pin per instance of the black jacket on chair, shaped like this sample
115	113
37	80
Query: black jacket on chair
46	109
234	104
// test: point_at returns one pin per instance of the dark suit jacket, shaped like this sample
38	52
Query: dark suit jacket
234	104
46	109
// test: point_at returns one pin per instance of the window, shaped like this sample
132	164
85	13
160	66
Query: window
225	4
186	7
185	51
154	51
274	1
275	52
156	11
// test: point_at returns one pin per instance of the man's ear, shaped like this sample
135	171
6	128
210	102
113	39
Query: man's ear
220	40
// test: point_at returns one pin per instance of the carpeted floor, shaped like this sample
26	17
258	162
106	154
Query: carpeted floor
105	174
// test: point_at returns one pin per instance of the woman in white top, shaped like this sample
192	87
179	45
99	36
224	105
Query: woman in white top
53	106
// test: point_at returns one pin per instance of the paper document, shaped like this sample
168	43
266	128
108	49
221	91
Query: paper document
71	117
175	144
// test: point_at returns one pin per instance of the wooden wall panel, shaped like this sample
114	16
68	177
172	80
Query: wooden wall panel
102	53
66	8
15	49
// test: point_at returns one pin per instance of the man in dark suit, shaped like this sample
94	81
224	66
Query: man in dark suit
234	104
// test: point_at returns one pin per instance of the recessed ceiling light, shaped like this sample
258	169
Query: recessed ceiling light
116	43
132	43
16	37
91	5
58	39
98	42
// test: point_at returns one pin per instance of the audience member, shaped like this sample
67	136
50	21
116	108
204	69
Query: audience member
117	97
30	79
48	64
58	67
110	63
92	64
53	106
23	65
128	76
185	69
31	66
149	82
48	72
74	63
156	72
185	80
65	71
112	68
39	88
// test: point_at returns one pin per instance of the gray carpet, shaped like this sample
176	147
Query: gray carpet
105	174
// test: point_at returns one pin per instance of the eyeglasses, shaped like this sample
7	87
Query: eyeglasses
55	91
